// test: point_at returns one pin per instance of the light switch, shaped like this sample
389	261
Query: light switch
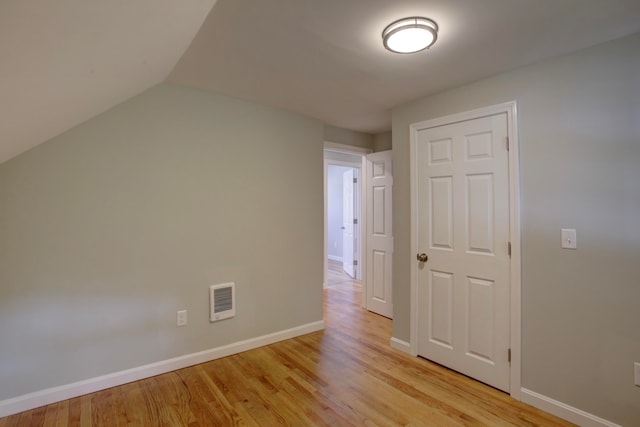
569	238
181	318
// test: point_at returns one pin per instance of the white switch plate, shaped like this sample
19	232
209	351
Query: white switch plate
181	318
569	238
636	373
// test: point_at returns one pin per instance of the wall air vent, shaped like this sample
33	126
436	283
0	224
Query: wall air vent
222	300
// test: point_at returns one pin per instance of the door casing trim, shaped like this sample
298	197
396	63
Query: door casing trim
515	316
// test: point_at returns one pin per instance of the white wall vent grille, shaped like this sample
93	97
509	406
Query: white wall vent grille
222	301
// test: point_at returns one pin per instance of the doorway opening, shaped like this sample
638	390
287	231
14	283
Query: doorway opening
343	219
363	180
343	214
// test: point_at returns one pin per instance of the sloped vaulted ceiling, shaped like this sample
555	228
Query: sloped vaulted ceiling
65	61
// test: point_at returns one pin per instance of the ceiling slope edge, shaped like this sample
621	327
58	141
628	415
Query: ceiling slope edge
67	61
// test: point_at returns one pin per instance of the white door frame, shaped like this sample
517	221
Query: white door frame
514	229
362	152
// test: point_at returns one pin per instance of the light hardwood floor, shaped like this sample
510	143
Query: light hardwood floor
337	278
345	375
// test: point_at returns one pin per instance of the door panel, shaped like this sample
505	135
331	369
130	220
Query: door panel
463	226
441	308
348	247
479	230
441	218
379	276
480	318
378	194
379	234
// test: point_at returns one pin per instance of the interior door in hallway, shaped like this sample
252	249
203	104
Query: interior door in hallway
379	234
348	227
462	210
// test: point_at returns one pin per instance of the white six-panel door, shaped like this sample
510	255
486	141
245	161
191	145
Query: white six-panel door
463	227
379	234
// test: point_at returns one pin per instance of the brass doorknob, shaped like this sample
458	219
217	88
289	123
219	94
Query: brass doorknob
423	257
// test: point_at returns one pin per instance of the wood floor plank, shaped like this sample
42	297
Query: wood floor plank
346	375
86	410
218	402
368	365
296	389
62	419
258	401
74	412
204	406
121	405
174	407
101	403
23	419
50	415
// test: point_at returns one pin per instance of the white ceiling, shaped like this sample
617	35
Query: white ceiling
325	58
65	61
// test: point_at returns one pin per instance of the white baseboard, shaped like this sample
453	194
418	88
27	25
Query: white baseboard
68	391
335	258
562	410
398	344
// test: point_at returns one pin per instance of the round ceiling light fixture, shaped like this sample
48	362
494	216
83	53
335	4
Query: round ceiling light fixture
410	35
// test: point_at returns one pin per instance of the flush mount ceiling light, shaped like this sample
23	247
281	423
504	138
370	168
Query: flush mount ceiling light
409	35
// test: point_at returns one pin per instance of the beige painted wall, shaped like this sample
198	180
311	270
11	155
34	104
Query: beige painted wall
110	228
382	141
579	123
348	137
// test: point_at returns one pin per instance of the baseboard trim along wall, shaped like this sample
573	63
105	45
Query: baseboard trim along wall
68	391
563	410
400	345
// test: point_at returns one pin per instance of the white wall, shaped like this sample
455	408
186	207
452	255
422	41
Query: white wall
111	227
579	123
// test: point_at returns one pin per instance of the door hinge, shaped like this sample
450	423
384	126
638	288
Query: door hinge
355	180
507	141
509	249
355	221
509	355
355	262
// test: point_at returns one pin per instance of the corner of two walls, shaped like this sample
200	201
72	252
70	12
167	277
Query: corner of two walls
382	141
110	228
